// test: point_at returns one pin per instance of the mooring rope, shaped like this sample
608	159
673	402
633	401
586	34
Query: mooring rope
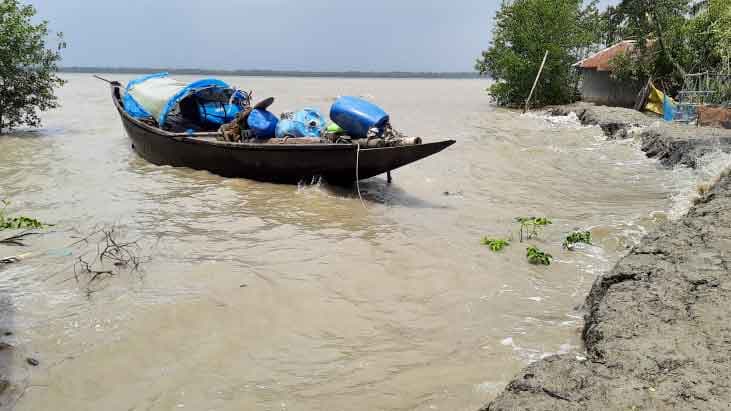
357	178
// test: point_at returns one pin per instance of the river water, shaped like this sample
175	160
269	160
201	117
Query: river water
275	297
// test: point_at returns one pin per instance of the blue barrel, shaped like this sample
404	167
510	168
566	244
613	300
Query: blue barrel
289	128
218	113
262	123
668	109
306	123
356	116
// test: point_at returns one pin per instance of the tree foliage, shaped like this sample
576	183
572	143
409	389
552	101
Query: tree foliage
524	30
28	69
674	37
716	20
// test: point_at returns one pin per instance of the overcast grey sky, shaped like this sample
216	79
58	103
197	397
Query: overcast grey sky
328	35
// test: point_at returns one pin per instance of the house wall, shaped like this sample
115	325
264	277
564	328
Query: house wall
599	88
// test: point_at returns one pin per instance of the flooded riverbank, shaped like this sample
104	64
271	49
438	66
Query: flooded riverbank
669	291
261	296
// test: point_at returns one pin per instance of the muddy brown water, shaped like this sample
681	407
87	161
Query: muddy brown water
275	297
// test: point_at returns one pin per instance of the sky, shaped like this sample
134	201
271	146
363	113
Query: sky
312	35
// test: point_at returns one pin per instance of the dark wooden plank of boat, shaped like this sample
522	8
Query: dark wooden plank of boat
285	163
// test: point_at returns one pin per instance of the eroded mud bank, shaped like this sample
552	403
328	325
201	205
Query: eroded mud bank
658	326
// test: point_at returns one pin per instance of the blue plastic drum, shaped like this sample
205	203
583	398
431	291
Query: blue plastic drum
306	123
218	113
262	123
356	116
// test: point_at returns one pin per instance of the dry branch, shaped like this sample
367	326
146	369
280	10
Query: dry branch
16	239
111	256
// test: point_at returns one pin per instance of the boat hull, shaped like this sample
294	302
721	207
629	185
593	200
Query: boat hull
283	163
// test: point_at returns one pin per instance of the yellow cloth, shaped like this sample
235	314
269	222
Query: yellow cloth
655	101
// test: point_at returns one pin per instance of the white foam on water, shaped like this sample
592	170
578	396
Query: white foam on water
531	355
635	131
569	121
489	387
685	181
314	182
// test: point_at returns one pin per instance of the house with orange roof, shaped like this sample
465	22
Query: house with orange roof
598	86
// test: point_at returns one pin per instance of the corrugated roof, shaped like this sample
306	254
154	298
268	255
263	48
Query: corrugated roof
600	61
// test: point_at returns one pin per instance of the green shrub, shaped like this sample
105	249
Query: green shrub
531	226
495	244
577	237
538	257
7	223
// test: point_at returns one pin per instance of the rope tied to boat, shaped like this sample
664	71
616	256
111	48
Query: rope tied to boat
357	176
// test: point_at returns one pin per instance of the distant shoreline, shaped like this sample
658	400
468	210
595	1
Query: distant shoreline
272	73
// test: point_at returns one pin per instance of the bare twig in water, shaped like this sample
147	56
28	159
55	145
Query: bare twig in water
121	254
9	260
84	267
16	239
15	258
111	256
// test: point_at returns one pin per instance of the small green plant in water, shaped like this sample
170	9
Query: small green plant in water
495	244
531	226
11	223
538	257
577	237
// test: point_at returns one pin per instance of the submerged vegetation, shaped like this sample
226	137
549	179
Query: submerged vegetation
495	244
530	226
575	238
19	223
16	223
537	256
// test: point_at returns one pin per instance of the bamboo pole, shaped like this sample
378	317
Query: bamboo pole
535	83
642	95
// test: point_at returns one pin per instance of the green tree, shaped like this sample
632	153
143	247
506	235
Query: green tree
524	30
718	17
28	69
673	37
658	26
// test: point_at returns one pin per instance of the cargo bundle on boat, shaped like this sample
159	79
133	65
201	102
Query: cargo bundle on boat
210	125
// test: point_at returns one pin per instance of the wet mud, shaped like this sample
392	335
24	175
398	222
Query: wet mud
657	333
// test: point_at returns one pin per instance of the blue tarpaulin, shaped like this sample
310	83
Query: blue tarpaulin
156	95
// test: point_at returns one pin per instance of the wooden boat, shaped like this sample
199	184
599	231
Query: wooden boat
282	163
